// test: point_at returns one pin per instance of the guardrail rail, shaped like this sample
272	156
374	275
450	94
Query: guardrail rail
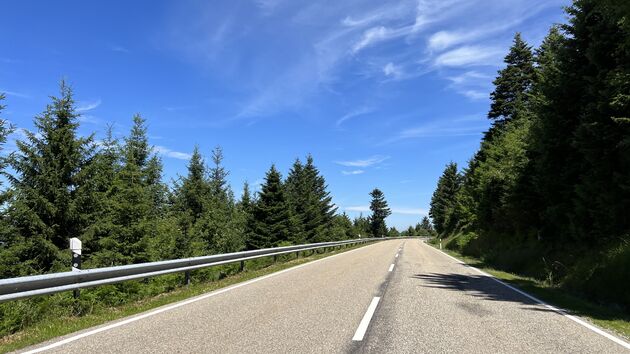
35	285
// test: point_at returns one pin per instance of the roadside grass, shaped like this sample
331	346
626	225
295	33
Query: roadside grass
53	326
611	319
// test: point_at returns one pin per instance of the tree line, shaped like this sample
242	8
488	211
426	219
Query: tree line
548	191
110	193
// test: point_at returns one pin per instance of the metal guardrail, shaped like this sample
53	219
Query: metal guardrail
29	286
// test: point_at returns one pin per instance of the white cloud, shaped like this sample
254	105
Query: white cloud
357	112
472	84
444	39
392	70
371	161
14	94
470	56
164	151
353	172
88	106
472	125
358	208
409	211
474	94
371	36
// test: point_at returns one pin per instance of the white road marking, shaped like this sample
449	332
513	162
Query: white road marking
396	255
174	306
391	267
550	307
365	322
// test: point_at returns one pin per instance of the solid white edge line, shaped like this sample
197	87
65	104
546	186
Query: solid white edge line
391	267
176	305
550	307
365	321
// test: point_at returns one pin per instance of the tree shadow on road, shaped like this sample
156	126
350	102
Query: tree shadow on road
486	288
478	286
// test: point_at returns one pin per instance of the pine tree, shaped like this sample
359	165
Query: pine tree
48	179
380	211
190	196
319	211
443	199
134	206
221	226
97	197
342	228
513	82
297	193
271	213
9	263
425	224
361	226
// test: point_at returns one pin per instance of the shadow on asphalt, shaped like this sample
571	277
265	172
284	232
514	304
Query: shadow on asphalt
479	286
484	287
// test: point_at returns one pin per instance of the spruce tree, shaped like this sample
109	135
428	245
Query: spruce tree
221	226
190	201
271	213
443	199
97	197
9	262
319	210
298	194
48	166
380	211
513	82
134	212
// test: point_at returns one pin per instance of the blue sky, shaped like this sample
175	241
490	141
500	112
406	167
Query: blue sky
382	94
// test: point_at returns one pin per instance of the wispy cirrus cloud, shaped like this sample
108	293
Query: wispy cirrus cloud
472	125
88	105
164	151
354	113
392	70
14	94
353	172
472	84
474	55
369	162
394	210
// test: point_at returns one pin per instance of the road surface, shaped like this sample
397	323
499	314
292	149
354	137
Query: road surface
399	296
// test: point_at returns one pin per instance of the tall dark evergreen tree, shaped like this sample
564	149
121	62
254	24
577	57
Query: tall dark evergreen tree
134	211
223	224
48	178
380	211
443	199
319	211
190	203
513	82
271	213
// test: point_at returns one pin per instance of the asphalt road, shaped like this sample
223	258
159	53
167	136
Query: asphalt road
354	302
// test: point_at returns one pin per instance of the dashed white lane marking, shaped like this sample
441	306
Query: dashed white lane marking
391	267
365	322
550	307
176	305
396	255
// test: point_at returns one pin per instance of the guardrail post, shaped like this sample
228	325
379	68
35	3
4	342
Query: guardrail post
75	247
187	277
297	254
275	258
242	267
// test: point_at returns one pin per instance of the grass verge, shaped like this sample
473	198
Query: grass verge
52	326
611	319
